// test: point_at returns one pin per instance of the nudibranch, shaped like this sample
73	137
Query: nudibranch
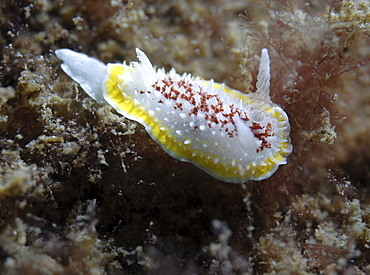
234	137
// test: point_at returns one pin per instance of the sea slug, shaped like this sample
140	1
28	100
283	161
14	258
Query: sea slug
234	137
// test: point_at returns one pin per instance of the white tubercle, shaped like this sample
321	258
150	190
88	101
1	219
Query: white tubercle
144	74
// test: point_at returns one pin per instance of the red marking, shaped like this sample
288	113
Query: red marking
178	106
213	118
262	135
194	111
200	101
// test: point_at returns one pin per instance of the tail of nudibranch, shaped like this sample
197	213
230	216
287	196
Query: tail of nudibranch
89	72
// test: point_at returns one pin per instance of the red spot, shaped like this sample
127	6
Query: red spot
194	111
213	118
262	135
178	106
